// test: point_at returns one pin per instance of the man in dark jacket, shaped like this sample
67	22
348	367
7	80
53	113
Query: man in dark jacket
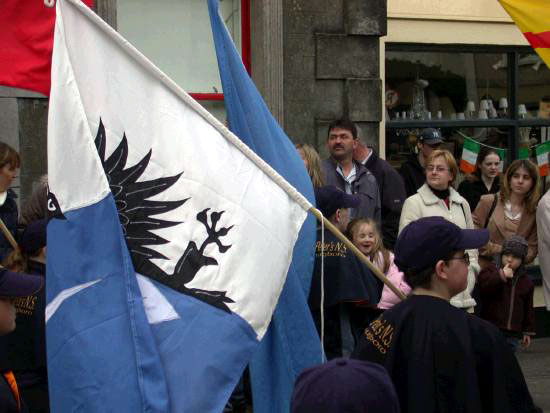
350	176
412	169
392	191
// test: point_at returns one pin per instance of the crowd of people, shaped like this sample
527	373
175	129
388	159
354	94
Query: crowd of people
23	366
459	255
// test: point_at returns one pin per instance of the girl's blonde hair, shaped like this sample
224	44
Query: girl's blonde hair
313	164
378	247
532	197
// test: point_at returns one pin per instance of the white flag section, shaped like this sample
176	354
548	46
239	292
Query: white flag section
143	180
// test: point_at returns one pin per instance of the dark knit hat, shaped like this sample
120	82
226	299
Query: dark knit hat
34	236
330	198
344	385
516	246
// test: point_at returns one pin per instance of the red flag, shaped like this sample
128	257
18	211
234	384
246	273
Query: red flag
26	42
533	19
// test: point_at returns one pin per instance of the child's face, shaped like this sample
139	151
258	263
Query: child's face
512	261
364	238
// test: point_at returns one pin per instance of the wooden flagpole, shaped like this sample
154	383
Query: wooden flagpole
8	234
357	252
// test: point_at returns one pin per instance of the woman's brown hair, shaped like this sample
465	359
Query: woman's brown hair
532	196
313	164
9	156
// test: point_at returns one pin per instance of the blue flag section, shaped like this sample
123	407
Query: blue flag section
291	343
88	245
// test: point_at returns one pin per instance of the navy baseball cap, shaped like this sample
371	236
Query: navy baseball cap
329	198
344	385
427	240
14	284
431	136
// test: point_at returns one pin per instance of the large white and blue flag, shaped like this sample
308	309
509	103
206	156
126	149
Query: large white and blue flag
291	343
170	240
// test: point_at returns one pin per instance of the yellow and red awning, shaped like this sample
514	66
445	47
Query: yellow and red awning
533	19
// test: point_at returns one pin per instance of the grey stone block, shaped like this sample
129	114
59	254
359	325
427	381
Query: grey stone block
339	56
299	44
299	121
313	6
363	99
298	23
328	99
365	17
298	66
33	119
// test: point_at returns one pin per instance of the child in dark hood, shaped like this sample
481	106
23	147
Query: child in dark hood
507	294
344	385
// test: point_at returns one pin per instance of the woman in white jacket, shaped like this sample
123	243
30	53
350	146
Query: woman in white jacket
438	198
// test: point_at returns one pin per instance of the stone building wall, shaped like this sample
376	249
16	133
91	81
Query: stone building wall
331	67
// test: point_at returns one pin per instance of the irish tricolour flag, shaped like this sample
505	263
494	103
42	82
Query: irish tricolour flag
542	152
469	155
470	152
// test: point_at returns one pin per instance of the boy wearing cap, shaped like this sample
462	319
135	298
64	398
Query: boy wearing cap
507	294
12	286
440	358
350	290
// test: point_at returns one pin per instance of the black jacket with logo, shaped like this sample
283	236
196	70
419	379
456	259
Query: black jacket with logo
442	359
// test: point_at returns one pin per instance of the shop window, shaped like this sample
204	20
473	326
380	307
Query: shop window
430	85
496	95
177	37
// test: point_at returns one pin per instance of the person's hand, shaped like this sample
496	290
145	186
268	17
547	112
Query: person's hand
476	221
526	342
360	152
508	271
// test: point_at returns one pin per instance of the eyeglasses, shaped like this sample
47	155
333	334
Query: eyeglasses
438	169
465	257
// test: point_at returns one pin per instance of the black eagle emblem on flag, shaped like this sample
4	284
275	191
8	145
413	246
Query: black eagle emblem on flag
136	212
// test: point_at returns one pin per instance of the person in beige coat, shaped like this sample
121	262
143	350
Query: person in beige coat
514	210
438	198
543	232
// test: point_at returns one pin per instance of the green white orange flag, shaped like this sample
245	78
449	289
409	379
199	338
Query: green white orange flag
470	151
542	152
533	19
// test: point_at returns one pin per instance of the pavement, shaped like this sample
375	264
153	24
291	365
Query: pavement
535	363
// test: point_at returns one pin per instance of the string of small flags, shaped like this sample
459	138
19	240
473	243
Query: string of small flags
471	148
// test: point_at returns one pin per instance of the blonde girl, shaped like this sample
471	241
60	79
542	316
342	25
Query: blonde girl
366	237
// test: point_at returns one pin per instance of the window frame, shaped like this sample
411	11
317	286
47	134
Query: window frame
245	53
